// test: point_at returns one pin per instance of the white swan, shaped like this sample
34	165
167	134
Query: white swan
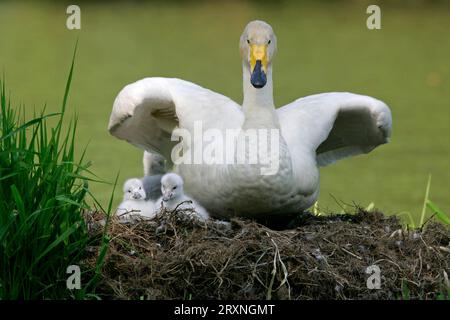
315	131
173	196
134	203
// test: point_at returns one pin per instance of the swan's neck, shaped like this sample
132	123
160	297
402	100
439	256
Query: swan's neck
258	104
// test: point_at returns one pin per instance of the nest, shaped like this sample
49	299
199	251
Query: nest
176	256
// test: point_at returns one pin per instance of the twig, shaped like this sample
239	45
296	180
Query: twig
178	205
274	271
445	249
343	249
426	221
285	272
388	260
420	259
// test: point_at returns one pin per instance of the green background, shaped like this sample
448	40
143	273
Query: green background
322	46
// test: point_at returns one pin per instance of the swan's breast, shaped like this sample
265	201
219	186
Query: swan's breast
242	189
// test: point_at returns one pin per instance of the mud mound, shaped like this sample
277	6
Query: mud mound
177	257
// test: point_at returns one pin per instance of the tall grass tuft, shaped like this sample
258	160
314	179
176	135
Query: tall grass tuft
42	198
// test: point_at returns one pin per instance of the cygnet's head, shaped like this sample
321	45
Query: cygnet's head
171	186
133	190
258	45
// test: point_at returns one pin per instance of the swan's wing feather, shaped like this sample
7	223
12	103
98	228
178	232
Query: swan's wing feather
336	125
146	112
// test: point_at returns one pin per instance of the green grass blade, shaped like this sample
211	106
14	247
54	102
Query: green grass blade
56	242
438	212
28	124
18	199
69	79
424	208
412	224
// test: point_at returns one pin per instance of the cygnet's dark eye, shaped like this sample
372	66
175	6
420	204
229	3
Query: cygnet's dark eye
268	42
129	190
248	41
140	188
174	187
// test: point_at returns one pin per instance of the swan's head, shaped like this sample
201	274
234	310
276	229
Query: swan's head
171	186
258	45
133	189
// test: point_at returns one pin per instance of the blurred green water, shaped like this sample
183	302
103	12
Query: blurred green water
322	46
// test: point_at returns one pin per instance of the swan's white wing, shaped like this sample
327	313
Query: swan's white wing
146	112
336	125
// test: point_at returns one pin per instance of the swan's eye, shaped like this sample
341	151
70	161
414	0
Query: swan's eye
174	187
248	41
140	188
129	191
268	42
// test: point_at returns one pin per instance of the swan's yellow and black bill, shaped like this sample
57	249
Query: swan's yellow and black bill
258	65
